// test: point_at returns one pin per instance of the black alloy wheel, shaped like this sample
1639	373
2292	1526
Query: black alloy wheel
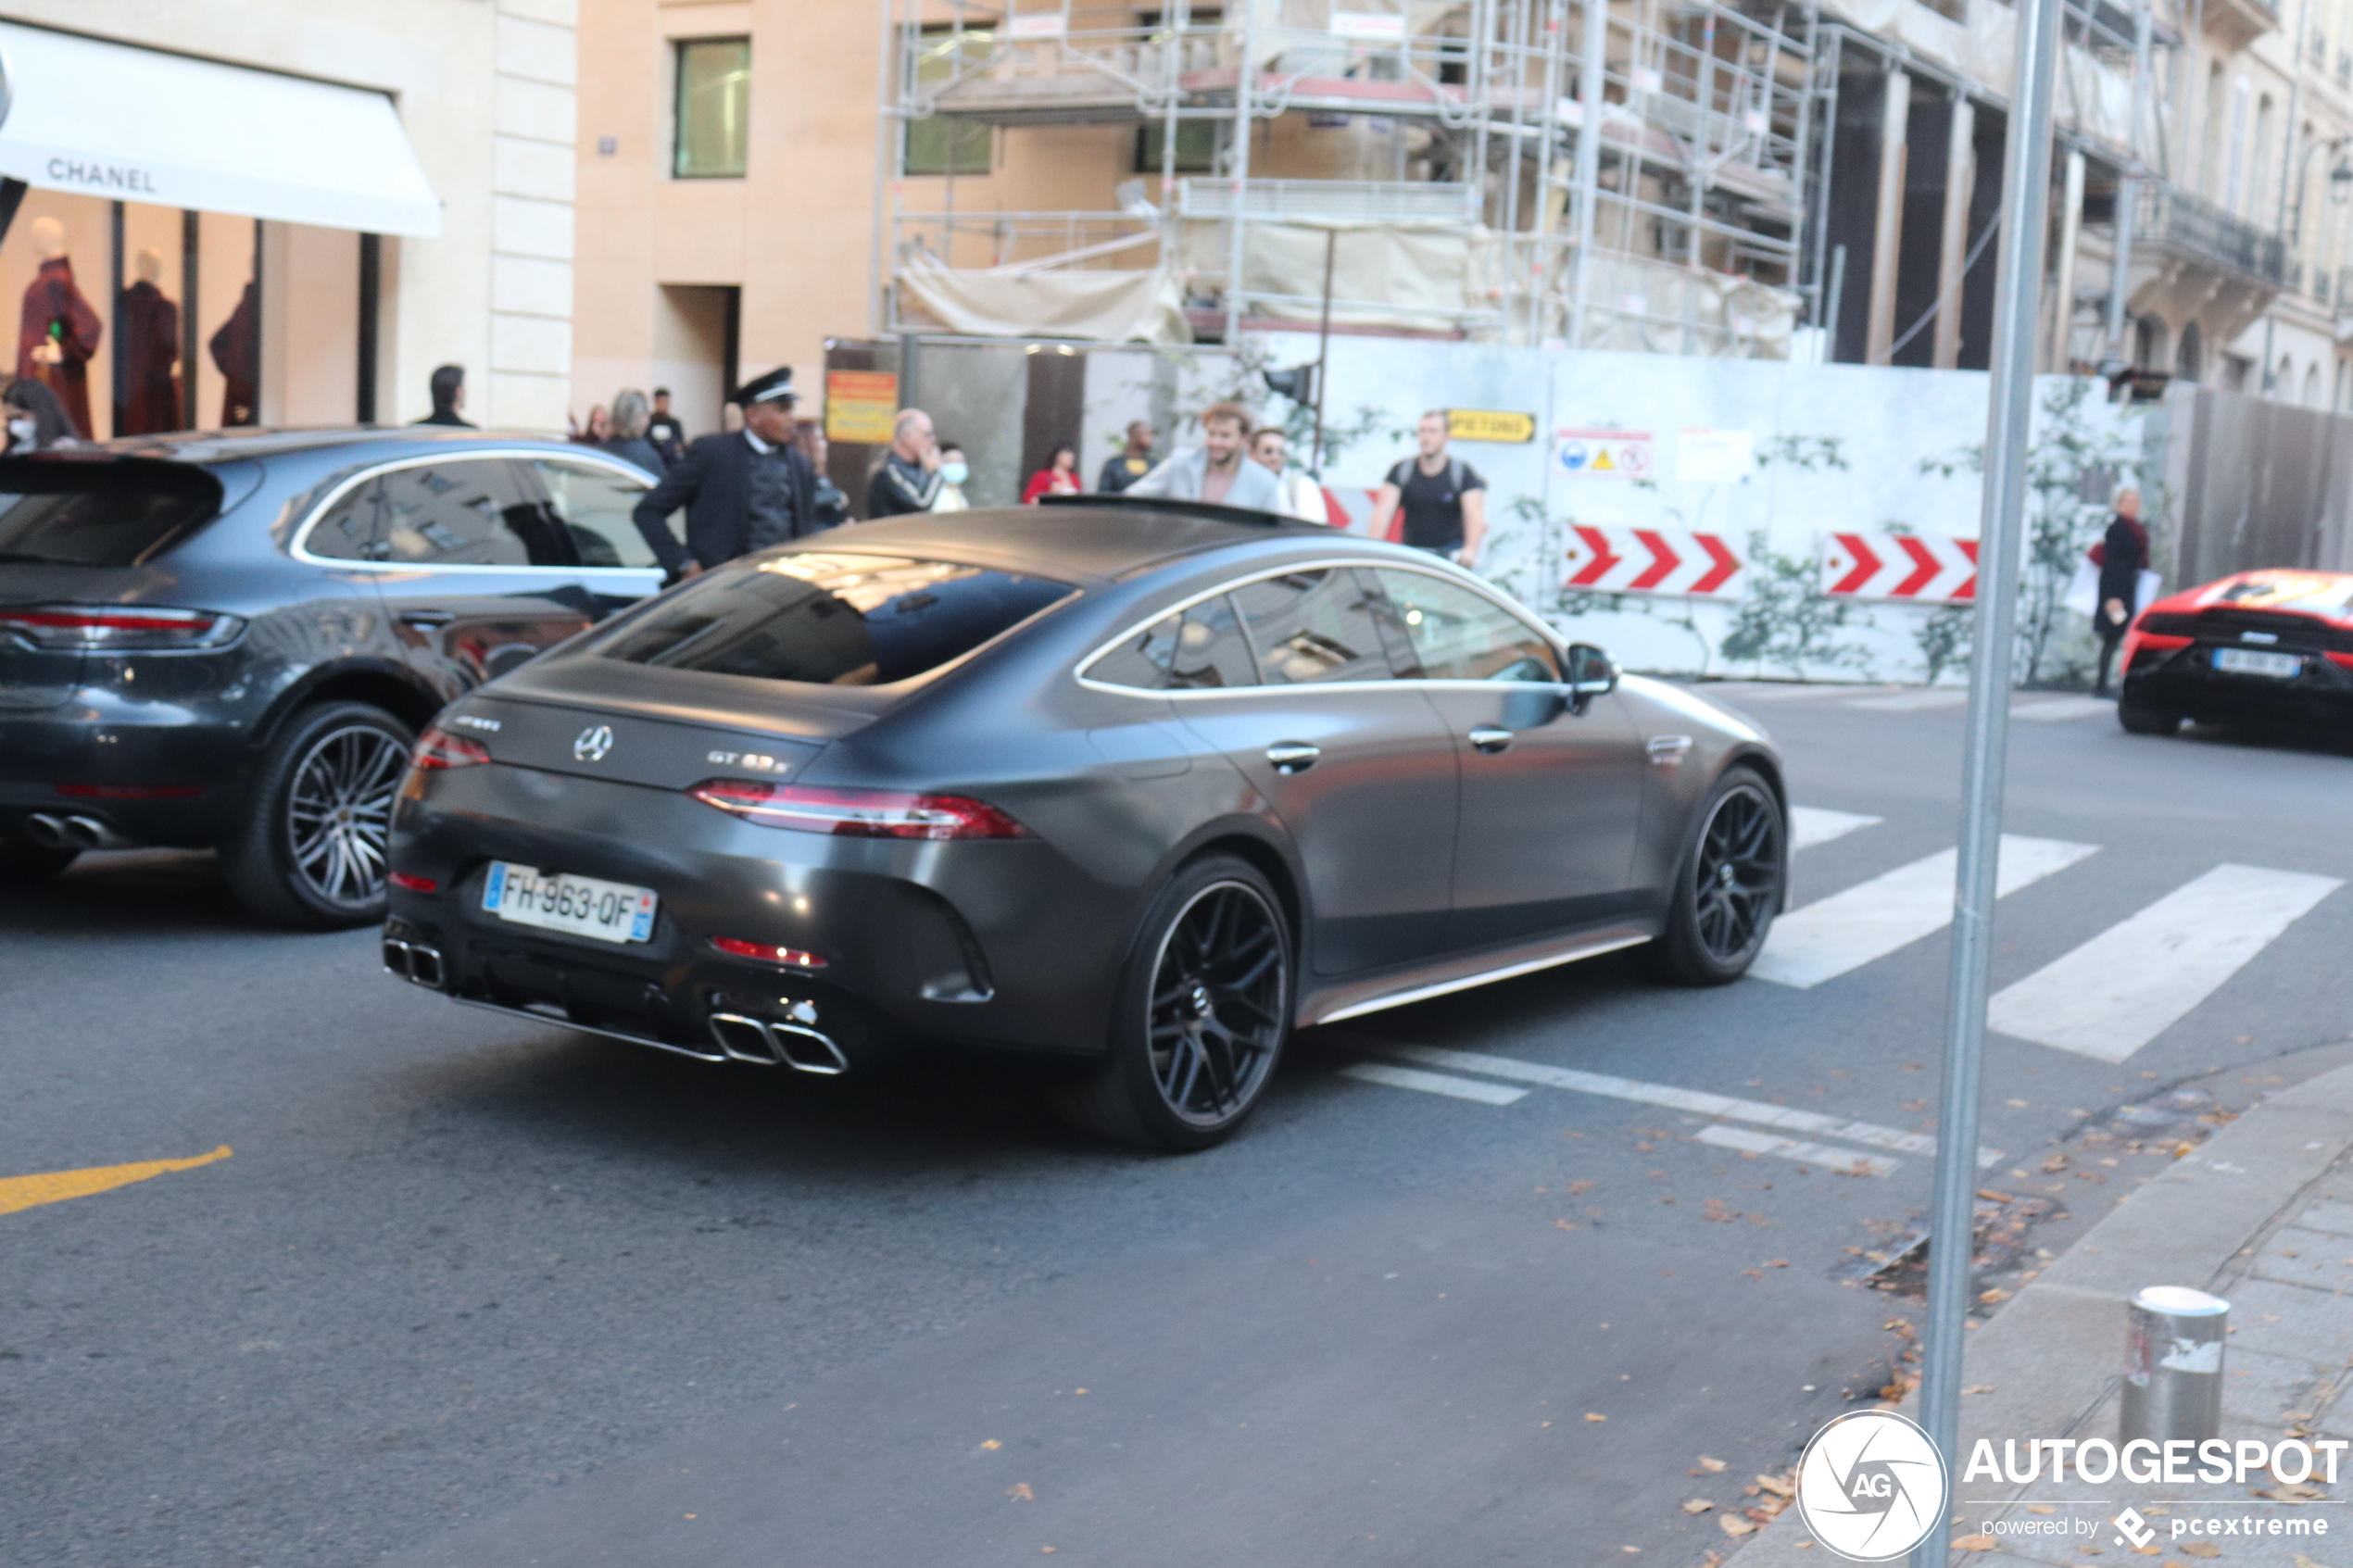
2139	719
1205	1011
1730	885
310	851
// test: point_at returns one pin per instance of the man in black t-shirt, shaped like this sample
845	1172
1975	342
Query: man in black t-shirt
668	437
1443	499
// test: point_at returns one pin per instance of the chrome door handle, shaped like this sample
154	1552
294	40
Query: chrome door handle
1491	738
1292	756
1667	750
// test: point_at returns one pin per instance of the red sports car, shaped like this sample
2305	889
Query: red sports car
2260	647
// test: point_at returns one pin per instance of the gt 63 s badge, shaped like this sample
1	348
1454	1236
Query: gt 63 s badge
1871	1486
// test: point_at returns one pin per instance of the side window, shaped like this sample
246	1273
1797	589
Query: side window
468	512
349	530
1202	649
1311	627
1457	635
591	504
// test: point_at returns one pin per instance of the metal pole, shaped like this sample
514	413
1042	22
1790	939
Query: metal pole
2026	185
1323	350
1589	154
1243	82
2128	188
886	119
1832	301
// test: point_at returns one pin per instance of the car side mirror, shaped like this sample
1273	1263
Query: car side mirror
1590	674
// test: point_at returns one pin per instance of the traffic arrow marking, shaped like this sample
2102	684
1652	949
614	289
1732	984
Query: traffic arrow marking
1603	557
1866	566
1664	560
1722	572
1925	566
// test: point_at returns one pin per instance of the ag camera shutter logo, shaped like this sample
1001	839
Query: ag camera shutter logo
1871	1486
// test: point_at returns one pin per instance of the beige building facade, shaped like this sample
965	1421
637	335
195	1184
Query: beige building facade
483	94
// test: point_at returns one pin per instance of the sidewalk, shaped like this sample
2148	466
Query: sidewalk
2262	1215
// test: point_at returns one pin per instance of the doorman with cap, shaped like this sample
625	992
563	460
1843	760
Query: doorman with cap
743	490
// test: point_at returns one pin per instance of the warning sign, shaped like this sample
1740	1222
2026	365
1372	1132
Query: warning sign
1614	453
1490	424
861	406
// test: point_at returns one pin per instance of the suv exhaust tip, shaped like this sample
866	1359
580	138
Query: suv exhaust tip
414	961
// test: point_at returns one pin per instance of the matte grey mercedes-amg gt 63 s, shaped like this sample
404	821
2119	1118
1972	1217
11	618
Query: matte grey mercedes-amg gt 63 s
1144	784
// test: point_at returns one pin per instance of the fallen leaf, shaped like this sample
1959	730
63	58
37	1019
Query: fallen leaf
1647	1147
2291	1491
2040	1507
1991	1197
1777	1262
1780	1486
991	1443
1697	1505
1590	1416
1577	1188
1714	1209
1984	1389
1713	1466
1020	1491
1564	1225
1754	1273
1633	1549
1975	1543
2148	1550
2304	1562
2203	1549
1735	1525
1047	1550
1996	1294
2017	1103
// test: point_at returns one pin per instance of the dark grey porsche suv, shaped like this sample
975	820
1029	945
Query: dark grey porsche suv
1142	784
231	638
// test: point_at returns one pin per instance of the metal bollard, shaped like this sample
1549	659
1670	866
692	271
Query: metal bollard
2173	1365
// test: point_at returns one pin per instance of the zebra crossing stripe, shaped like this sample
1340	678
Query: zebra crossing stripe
1432	1083
2138	978
1809	825
1874	919
1845	1161
1697	1101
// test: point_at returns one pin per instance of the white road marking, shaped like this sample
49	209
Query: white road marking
1874	919
1840	1160
1695	1100
2062	708
1915	701
1786	691
1432	1083
1809	825
2133	981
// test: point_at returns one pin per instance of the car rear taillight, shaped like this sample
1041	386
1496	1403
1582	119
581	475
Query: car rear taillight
129	791
412	883
767	952
112	628
439	749
858	813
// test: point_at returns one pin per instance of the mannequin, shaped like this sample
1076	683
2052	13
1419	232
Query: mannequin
149	399
237	349
59	331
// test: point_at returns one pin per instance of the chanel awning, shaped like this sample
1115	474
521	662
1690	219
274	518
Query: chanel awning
129	124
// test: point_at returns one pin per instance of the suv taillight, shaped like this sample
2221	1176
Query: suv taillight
858	813
439	749
116	628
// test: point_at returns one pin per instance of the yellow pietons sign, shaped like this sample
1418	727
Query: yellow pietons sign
1488	424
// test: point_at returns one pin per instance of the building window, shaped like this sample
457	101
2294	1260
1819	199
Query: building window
941	145
714	108
2148	344
1196	146
2189	356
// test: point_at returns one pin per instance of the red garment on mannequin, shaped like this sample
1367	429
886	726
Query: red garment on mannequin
55	311
150	329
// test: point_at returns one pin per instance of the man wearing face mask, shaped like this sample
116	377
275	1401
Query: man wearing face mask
953	472
37	419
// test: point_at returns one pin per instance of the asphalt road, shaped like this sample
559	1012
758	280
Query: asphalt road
473	1292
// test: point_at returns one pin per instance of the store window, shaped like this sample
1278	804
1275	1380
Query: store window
1196	146
942	144
714	108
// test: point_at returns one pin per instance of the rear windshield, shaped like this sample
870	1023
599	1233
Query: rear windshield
830	619
118	512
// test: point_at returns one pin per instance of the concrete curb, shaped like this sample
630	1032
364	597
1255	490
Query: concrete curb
2053	1354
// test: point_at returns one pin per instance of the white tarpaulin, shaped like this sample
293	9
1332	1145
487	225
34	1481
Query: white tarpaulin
1089	306
129	124
1427	276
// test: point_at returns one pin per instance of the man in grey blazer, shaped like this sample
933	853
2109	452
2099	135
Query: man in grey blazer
1219	470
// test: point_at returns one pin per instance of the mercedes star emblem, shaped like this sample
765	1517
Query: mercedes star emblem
594	741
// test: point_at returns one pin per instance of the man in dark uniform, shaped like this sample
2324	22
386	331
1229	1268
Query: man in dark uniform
668	437
1131	464
743	490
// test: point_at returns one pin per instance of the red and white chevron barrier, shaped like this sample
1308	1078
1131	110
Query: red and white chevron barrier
1653	560
1917	567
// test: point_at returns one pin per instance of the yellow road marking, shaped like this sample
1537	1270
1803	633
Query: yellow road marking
55	1186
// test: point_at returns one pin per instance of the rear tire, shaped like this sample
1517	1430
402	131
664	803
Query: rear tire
1203	1013
2139	719
23	862
309	847
1728	884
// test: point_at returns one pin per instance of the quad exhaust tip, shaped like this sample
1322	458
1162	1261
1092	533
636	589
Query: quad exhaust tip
414	961
73	833
798	1046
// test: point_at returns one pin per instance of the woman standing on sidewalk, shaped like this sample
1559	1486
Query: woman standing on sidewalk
2122	557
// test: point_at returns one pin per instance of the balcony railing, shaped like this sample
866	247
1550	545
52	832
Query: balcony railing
2168	216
